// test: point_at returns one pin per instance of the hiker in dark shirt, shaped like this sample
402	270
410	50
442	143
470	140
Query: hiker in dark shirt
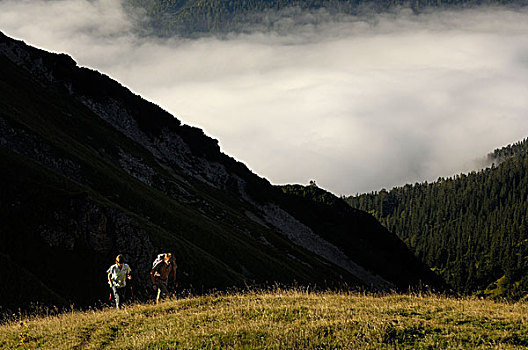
160	274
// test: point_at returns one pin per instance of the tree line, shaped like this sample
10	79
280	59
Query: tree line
472	229
192	17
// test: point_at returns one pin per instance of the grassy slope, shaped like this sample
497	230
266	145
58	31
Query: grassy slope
283	319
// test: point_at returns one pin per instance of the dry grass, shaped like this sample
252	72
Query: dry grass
283	320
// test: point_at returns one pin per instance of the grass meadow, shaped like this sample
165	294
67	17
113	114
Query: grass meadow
282	319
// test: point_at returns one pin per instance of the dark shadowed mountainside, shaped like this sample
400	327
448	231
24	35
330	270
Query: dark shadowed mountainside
89	170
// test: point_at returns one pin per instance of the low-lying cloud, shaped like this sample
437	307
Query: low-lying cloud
355	104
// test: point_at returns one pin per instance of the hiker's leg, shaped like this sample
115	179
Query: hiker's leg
172	290
158	294
123	296
115	290
164	290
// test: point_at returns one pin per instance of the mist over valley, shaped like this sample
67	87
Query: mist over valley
357	103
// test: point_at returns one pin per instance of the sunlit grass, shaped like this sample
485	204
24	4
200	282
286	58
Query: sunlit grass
283	319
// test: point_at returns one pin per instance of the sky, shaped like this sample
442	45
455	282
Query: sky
355	104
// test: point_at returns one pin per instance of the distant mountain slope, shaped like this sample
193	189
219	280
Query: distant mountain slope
192	17
89	170
472	228
331	218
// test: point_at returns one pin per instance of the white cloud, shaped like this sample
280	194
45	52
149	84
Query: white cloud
356	105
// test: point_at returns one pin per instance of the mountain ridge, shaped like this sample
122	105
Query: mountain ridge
90	170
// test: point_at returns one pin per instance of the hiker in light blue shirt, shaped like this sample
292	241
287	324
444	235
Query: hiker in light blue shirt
117	279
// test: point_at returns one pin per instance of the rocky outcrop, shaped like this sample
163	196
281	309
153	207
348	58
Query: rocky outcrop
24	142
303	236
85	225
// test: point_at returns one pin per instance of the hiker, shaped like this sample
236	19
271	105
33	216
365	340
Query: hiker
160	276
117	277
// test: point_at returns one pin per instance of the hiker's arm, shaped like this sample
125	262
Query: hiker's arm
110	280
152	272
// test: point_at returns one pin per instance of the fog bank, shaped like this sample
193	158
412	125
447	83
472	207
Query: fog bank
355	104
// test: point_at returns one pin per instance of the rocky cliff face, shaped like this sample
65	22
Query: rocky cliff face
91	170
83	223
